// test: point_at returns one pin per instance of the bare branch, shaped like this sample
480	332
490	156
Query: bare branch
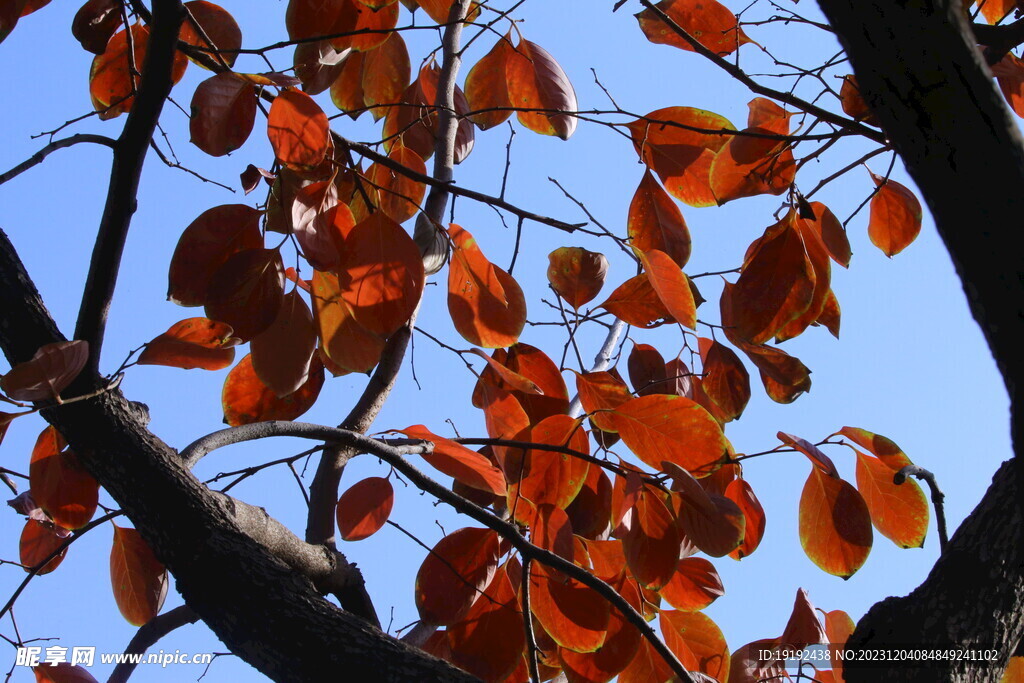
148	635
39	156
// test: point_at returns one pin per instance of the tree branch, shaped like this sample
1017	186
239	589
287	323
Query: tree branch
39	156
148	635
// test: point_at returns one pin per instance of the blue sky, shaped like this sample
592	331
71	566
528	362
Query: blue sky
910	363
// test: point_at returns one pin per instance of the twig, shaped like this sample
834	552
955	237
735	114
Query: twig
937	498
52	147
531	637
148	635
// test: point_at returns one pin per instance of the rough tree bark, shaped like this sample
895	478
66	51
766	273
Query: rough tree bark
917	63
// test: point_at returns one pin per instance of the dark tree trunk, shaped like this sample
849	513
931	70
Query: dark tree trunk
919	69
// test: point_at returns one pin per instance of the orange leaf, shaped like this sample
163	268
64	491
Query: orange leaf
111	79
838	629
880	446
223	114
489	641
513	380
750	165
599	393
364	507
576	274
739	492
724	380
218	25
451	577
711	522
536	81
853	102
281	354
50	370
347	89
533	364
439	10
591	510
661	428
1009	73
298	130
192	343
398	195
835	526
368	28
694	586
710	23
246	291
672	286
573	615
138	579
697	642
899	512
776	285
385	74
63	672
345	341
895	219
246	399
485	302
995	11
652	543
832	232
38	541
59	483
486	86
381	274
636	302
655	222
679	144
414	121
205	245
646	666
459	462
619	648
547	477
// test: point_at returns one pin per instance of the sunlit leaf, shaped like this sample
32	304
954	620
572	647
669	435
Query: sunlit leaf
192	343
724	379
835	526
50	370
740	492
652	543
112	84
398	196
137	577
600	392
899	512
459	462
655	222
813	453
619	648
573	615
548	477
246	399
636	302
707	21
489	641
895	219
853	101
345	341
694	585
671	285
439	10
298	130
486	86
364	508
880	446
63	672
753	162
454	573
347	88
536	81
386	74
697	641
217	25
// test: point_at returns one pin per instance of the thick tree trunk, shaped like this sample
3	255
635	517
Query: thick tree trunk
920	71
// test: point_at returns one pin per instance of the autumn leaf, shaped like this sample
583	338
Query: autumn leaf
246	399
489	641
344	340
637	303
246	291
219	30
50	370
40	540
576	274
459	462
281	354
113	80
452	575
94	24
895	219
298	130
671	285
694	585
835	525
537	82
223	114
655	222
192	343
364	508
487	86
898	511
138	579
707	21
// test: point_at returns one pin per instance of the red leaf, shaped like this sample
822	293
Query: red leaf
694	586
347	89
652	543
655	222
364	508
205	245
576	274
697	642
368	29
739	492
218	25
223	114
246	399
192	343
713	523
853	102
246	291
679	144
51	369
38	541
535	366
385	74
601	392
439	10
813	453
711	24
59	483
489	641
485	302
298	130
573	615
396	194
138	579
486	86
619	648
452	576
670	428
345	341
803	628
536	81
835	526
281	354
750	165
381	274
318	65
895	219
591	510
459	462
899	512
110	78
94	24
672	287
636	302
832	233
547	477
647	370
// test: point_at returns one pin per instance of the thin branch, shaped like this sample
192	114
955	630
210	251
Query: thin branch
39	156
937	498
531	637
148	635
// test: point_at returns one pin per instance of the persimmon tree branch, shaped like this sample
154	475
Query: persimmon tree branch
126	169
394	457
148	635
52	147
